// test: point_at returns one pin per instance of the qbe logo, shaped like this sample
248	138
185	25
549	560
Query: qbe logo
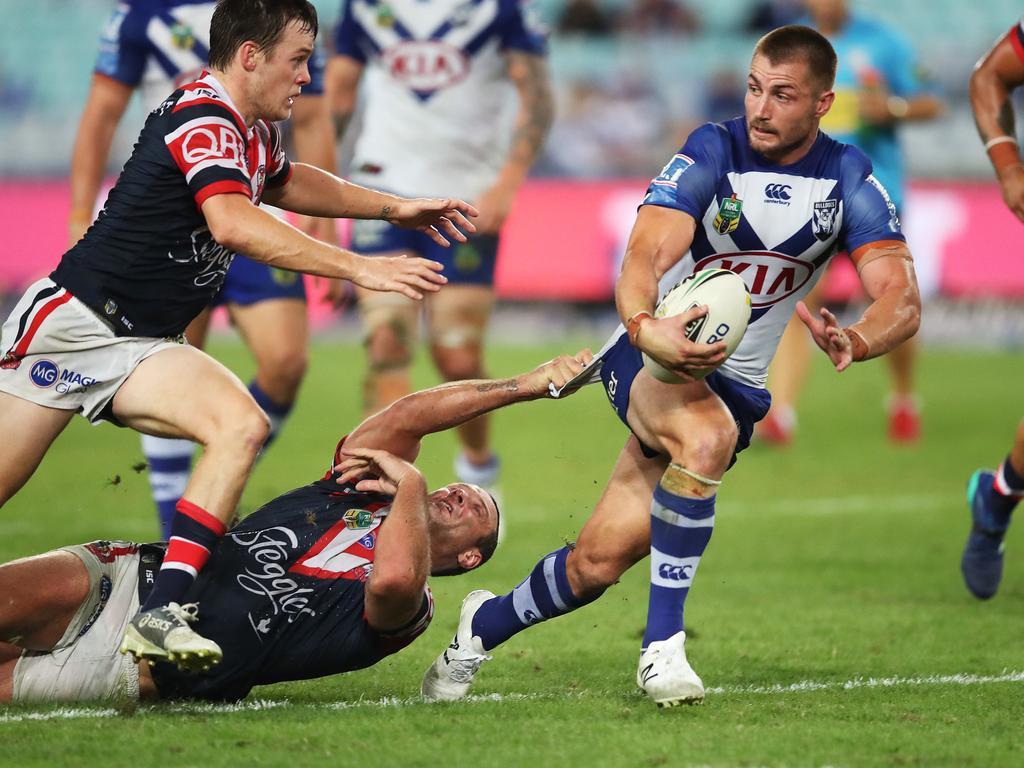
44	373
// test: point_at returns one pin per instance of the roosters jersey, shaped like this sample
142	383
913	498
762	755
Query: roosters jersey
775	226
1016	36
149	264
159	45
283	594
438	102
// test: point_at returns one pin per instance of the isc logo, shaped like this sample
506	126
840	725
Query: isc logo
426	65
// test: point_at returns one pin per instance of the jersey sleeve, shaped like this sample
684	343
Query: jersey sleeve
399	638
688	182
1016	36
521	29
868	213
208	144
350	39
124	47
279	167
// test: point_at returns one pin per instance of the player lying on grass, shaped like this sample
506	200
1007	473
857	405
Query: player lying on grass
102	335
327	578
715	204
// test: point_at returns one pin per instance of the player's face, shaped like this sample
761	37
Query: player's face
460	515
784	104
281	73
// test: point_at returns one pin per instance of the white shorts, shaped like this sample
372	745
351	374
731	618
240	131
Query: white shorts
59	353
86	664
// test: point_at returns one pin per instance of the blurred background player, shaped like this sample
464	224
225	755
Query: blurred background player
993	495
878	86
439	82
155	46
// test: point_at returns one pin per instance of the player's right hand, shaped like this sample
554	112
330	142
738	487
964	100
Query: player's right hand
401	274
664	339
1011	182
375	471
557	372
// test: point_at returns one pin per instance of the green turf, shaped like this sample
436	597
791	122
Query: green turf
834	560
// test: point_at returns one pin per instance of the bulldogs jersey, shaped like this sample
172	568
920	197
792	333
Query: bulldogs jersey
159	45
149	264
436	90
775	226
283	595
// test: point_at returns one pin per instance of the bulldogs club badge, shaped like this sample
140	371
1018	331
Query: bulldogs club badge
824	223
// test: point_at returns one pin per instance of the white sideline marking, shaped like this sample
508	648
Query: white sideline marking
389	702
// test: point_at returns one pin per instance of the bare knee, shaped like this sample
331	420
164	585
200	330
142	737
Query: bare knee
593	568
456	364
284	372
240	431
389	346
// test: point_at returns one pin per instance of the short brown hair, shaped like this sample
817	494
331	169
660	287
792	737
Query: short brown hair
796	41
262	21
486	544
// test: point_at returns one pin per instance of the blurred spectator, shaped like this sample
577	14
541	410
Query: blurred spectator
585	17
14	96
725	91
767	15
659	17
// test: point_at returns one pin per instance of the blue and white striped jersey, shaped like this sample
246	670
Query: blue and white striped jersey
159	45
776	226
437	116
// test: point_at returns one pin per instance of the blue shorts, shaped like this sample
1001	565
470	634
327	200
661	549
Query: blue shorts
623	361
470	263
248	282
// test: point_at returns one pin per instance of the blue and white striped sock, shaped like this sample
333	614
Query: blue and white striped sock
170	464
276	412
681	528
542	595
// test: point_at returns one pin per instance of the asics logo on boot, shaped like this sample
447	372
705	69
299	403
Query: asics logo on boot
152	621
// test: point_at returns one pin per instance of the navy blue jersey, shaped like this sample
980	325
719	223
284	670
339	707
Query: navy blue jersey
283	595
149	264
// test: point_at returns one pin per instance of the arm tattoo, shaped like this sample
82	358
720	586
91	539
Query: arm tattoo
509	385
538	109
385	212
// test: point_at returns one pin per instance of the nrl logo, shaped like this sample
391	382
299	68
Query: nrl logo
824	222
728	218
358	518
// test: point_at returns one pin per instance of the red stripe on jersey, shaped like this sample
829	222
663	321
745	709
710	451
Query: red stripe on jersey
201	516
1016	36
222	188
41	315
187	552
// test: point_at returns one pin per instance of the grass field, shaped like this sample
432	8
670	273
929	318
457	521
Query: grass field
828	618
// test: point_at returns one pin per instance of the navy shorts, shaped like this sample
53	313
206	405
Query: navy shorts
248	282
623	361
470	263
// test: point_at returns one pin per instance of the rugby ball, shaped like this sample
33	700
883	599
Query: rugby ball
728	303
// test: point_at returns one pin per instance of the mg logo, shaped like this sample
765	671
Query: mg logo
426	65
44	374
778	193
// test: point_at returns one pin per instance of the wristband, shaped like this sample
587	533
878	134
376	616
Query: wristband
1003	152
633	325
858	346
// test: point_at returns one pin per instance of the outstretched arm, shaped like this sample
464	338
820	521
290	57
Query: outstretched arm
994	79
400	427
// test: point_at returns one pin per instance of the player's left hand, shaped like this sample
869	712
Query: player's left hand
494	204
873	107
557	372
435	218
375	471
828	335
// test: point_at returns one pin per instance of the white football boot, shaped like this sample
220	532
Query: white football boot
164	634
449	677
666	676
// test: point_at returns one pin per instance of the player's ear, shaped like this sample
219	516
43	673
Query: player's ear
249	55
824	103
470	559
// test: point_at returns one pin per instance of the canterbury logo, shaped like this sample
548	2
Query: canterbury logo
646	673
777	191
675	572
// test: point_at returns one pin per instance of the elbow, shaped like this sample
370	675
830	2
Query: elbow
226	231
403	586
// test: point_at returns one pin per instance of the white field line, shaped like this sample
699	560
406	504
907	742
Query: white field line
393	702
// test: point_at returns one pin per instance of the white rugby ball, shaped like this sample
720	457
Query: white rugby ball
728	303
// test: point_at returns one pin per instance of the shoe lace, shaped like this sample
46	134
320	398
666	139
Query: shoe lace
188	612
463	670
